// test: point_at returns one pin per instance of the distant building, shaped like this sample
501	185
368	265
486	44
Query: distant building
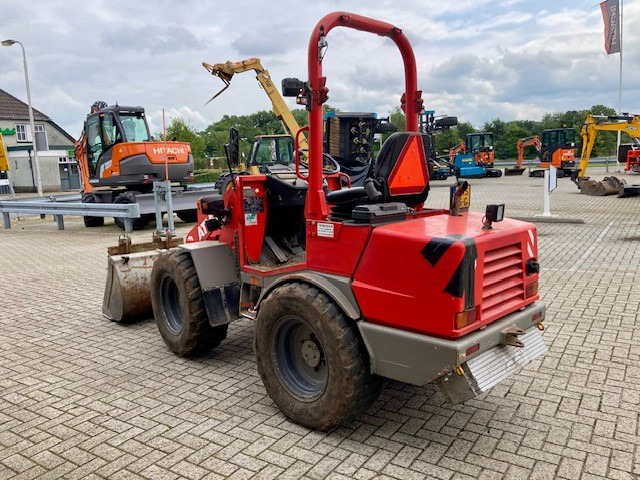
58	166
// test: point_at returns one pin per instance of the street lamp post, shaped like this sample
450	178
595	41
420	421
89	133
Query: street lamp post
8	43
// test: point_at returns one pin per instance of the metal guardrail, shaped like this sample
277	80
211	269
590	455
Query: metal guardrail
126	211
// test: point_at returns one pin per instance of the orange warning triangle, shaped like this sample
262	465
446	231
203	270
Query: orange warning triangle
410	174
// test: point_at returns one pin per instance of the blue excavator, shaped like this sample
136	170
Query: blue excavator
474	157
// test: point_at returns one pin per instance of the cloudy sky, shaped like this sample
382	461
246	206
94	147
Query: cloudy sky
477	59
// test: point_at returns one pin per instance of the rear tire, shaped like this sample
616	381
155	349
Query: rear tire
178	306
311	358
91	222
188	216
138	223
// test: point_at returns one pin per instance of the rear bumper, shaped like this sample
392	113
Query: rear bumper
420	359
138	170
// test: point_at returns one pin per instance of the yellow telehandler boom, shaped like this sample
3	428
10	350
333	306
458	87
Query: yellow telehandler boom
226	71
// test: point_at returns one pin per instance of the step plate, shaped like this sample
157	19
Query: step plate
491	367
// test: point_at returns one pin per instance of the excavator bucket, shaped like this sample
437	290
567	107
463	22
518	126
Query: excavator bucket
608	186
127	295
629	191
508	172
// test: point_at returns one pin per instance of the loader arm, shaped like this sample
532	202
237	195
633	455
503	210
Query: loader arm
226	71
589	132
80	149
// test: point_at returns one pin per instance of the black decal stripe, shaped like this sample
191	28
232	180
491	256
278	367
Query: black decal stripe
436	248
462	282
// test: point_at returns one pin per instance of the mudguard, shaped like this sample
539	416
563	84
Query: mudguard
218	274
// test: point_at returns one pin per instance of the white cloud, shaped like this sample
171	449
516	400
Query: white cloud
190	117
477	59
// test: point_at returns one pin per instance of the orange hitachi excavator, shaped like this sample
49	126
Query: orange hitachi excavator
521	144
118	159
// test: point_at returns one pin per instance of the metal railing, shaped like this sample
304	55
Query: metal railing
126	211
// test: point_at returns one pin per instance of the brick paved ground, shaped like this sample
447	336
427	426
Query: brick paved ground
82	397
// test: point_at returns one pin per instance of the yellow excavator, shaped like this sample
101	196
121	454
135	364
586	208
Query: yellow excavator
629	124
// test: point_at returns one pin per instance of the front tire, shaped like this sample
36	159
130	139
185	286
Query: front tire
138	223
91	222
188	216
311	358
178	306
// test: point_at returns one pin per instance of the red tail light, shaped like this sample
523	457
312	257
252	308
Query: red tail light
472	349
463	319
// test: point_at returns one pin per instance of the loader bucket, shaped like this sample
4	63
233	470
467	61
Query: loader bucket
608	186
508	172
127	295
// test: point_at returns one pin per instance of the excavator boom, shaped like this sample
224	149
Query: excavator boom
460	148
521	144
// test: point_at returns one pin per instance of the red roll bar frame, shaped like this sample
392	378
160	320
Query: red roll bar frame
411	102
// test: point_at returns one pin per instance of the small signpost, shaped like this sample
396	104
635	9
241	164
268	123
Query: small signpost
459	198
550	184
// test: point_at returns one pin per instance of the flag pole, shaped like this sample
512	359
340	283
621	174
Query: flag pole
620	85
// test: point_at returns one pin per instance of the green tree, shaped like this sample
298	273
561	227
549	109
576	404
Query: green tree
450	138
179	130
302	116
397	117
504	146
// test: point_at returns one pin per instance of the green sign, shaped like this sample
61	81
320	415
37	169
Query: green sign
8	131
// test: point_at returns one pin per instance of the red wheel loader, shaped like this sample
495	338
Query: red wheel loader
350	286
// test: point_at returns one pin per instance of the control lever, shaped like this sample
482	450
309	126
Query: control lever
371	190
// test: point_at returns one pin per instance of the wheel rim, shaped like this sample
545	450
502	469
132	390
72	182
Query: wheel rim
172	304
299	359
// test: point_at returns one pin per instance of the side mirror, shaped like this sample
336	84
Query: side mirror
291	87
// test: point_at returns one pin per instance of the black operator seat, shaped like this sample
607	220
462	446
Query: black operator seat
401	174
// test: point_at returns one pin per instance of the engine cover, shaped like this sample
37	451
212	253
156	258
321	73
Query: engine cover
418	274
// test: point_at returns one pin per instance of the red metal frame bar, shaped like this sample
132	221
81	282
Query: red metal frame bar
316	205
296	146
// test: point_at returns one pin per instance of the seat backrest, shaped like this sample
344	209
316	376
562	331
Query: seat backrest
402	168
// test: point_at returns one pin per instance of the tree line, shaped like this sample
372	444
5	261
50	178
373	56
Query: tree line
209	143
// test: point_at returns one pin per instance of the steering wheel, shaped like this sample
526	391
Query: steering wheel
329	164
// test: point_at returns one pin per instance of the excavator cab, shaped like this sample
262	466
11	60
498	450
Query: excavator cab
269	150
480	145
558	149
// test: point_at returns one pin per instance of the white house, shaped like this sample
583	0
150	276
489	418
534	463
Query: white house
58	167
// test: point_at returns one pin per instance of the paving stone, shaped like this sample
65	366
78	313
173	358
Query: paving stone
81	397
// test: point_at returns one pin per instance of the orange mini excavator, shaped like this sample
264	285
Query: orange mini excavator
521	144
